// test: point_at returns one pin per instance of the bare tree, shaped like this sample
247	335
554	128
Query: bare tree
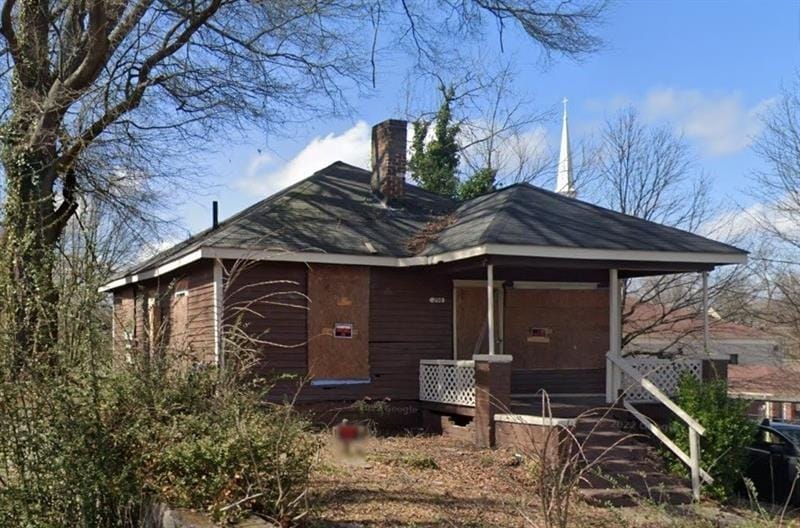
776	217
649	172
102	95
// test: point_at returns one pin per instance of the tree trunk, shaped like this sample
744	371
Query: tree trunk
29	243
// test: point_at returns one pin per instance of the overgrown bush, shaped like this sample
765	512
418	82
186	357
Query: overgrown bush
728	432
94	455
231	455
87	442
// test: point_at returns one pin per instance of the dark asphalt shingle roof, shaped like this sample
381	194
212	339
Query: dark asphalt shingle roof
526	215
332	211
335	211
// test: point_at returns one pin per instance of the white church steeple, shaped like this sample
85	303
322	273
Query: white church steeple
564	182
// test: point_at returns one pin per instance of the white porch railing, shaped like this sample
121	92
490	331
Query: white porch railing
619	369
447	381
664	373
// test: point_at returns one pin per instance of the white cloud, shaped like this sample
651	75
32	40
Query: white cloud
151	250
266	175
721	123
754	221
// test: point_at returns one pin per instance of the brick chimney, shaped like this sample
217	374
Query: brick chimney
389	158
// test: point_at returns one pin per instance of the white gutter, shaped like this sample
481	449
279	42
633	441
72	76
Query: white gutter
152	273
622	255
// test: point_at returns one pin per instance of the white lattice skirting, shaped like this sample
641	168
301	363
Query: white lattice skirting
447	381
664	373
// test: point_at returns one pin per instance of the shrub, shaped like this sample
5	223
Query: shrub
244	461
728	432
215	446
93	450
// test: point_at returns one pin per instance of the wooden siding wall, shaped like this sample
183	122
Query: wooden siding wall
404	327
266	300
199	282
123	319
407	327
558	381
188	323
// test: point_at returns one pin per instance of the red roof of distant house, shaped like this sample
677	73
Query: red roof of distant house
777	382
684	321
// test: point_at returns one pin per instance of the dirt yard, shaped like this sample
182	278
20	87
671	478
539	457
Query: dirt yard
424	481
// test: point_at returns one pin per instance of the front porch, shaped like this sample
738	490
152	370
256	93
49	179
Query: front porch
537	347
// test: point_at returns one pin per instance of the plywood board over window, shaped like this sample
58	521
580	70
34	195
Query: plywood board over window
470	320
338	320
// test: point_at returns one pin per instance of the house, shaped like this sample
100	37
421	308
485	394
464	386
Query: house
773	391
661	329
370	287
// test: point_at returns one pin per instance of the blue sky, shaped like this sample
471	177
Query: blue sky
706	68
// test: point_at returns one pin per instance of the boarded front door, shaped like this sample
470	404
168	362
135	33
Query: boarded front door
470	321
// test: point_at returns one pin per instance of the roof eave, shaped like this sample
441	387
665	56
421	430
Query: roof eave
584	254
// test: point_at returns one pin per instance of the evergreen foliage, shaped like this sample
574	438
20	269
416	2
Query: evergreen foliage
483	181
434	165
728	432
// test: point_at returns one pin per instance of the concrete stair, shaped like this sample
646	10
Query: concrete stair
626	469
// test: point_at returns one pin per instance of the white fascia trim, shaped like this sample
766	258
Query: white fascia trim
449	256
218	289
150	274
528	419
614	254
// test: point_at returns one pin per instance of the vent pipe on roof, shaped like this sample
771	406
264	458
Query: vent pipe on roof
214	214
389	158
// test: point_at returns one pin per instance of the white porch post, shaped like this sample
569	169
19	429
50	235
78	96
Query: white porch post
705	312
613	376
490	306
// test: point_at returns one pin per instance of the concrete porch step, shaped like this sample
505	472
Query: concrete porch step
629	451
627	469
606	438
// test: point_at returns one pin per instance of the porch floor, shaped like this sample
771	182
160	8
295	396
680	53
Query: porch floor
561	406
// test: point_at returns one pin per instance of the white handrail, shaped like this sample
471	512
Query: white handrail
453	362
651	387
695	429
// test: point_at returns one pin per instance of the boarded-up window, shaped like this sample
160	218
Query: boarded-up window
471	329
576	319
338	321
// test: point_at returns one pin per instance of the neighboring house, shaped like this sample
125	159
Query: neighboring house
759	369
774	391
680	331
365	285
